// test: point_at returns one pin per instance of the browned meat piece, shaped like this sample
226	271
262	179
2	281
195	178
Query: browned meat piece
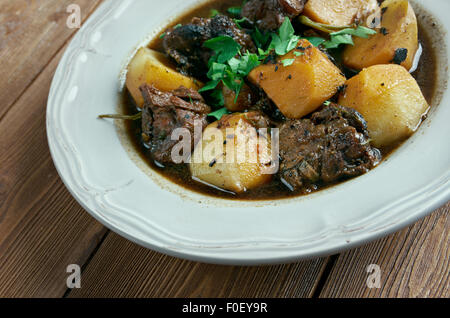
333	145
165	111
185	43
266	106
270	14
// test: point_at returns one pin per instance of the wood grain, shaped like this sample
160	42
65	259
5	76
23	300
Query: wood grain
42	228
31	33
414	262
123	269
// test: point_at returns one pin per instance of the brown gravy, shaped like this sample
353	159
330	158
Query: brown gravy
425	75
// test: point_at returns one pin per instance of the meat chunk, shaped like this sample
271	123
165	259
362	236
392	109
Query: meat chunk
330	146
165	111
185	43
270	14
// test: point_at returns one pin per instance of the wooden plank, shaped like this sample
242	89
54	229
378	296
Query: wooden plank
414	262
42	228
31	33
123	269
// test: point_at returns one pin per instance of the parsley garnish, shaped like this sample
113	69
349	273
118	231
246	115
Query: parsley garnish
338	34
345	36
225	48
236	11
286	40
287	62
228	65
214	12
218	114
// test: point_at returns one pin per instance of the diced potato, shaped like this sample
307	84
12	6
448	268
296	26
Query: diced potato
390	100
339	12
398	31
302	87
232	156
151	67
243	102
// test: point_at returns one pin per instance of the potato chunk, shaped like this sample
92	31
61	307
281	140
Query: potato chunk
339	12
154	68
390	100
302	87
398	32
232	156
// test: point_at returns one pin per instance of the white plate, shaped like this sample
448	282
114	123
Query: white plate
110	182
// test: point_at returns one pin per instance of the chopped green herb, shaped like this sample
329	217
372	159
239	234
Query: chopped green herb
322	27
345	36
162	35
360	31
316	41
177	26
261	39
286	40
236	11
209	86
338	34
297	53
239	22
287	62
214	12
225	48
228	65
218	114
217	98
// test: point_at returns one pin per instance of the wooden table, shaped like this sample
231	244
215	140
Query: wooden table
43	229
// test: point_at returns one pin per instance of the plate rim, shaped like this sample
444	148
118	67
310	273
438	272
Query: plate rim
437	195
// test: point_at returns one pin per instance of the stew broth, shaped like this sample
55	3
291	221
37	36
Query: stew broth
425	75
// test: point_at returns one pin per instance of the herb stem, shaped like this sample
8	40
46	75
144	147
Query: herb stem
322	27
122	117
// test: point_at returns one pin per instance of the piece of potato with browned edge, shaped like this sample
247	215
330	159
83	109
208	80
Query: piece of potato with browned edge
232	155
396	39
302	87
154	68
390	100
339	12
244	101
